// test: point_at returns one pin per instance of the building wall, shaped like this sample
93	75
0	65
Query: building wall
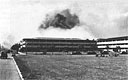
41	45
63	44
111	44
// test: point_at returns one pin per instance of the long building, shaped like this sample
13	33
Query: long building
113	44
56	45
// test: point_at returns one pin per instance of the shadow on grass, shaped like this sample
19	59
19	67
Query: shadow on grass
24	68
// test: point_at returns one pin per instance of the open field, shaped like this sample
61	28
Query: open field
72	67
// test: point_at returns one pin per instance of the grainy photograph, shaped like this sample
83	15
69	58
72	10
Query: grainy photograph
63	40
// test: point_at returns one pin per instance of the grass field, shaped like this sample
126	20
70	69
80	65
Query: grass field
72	67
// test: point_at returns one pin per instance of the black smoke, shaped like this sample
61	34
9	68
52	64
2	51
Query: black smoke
63	20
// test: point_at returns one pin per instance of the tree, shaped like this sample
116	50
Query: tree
16	47
107	47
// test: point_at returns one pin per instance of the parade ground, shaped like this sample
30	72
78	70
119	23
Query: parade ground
64	67
72	67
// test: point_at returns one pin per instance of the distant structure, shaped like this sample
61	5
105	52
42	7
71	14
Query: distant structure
56	45
117	44
43	44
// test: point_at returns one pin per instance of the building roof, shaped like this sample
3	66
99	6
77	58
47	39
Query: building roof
114	38
51	38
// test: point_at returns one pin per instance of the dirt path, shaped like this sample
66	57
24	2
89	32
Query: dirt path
8	69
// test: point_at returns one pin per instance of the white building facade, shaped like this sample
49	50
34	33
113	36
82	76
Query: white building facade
111	44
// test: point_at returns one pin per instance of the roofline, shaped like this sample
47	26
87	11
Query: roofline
113	38
51	38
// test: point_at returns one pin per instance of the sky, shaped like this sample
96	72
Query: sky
98	19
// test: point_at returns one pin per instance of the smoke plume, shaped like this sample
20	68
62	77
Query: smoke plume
93	23
63	20
9	41
65	24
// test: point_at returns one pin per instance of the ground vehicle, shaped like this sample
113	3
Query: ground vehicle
124	52
104	53
107	53
4	55
91	53
76	53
